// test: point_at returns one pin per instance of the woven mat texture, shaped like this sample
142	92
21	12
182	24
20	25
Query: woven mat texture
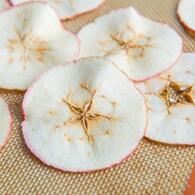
152	169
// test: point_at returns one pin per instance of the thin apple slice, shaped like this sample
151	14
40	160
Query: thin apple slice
171	103
32	40
68	9
5	122
140	47
4	4
186	14
84	116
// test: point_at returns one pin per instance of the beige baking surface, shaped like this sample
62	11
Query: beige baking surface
153	169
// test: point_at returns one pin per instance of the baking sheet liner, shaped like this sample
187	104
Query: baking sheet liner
152	169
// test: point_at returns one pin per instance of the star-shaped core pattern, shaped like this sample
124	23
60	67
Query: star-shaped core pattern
29	47
85	114
174	94
134	47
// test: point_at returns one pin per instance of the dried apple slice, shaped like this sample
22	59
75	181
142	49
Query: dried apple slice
171	103
68	8
83	116
5	122
3	4
32	40
140	47
186	15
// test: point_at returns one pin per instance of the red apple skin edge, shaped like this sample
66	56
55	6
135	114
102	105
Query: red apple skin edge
83	13
76	38
8	3
169	144
190	31
10	128
79	171
71	17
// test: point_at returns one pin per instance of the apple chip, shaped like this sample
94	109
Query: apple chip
141	48
32	41
83	116
171	103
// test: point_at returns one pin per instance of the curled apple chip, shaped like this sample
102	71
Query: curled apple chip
140	47
186	14
83	116
3	4
171	103
32	40
68	8
5	122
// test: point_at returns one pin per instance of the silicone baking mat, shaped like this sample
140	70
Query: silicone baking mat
152	169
